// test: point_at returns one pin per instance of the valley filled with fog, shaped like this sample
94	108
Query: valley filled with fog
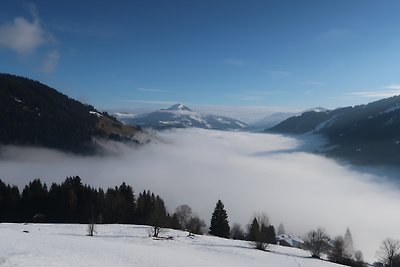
249	172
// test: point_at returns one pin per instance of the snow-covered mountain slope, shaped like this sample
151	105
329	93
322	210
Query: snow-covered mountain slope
180	116
130	245
278	117
365	133
270	121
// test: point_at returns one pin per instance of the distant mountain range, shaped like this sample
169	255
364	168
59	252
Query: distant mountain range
362	134
180	116
34	114
270	121
275	118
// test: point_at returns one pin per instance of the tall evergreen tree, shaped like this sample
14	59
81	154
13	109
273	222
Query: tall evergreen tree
348	244
270	235
219	221
254	230
281	229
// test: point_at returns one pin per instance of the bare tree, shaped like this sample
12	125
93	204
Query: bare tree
158	217
337	252
196	225
358	256
317	242
184	214
237	232
389	252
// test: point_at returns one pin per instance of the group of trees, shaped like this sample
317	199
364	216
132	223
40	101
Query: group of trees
259	232
73	202
339	250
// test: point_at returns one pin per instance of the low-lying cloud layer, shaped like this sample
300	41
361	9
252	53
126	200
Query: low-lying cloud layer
248	172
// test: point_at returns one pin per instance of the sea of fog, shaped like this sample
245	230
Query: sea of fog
249	172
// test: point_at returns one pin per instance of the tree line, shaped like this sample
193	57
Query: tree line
74	202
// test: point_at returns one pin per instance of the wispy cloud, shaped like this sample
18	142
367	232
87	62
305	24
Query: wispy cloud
24	36
251	95
387	91
50	61
297	78
150	90
279	73
393	86
235	62
152	102
312	82
334	35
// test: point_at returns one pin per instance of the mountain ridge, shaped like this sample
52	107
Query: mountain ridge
181	116
367	133
34	114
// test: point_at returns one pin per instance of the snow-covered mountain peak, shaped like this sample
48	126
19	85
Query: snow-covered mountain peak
178	107
317	109
180	116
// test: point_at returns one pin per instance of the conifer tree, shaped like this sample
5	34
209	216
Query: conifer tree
281	229
271	235
348	244
254	230
219	221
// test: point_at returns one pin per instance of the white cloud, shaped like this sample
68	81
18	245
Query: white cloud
279	73
252	95
246	114
249	172
235	62
150	90
152	102
298	78
393	86
24	36
50	61
388	91
335	35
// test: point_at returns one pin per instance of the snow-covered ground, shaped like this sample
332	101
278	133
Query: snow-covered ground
129	245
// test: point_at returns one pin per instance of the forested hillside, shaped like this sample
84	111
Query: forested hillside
32	113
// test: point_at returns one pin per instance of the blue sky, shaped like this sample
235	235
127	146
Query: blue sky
277	55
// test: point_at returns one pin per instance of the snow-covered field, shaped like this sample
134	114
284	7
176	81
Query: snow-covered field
129	245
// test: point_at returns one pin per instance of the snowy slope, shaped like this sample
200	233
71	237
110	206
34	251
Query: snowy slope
129	245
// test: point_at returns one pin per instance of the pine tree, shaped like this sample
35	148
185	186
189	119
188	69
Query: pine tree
253	230
281	229
348	244
219	221
271	235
